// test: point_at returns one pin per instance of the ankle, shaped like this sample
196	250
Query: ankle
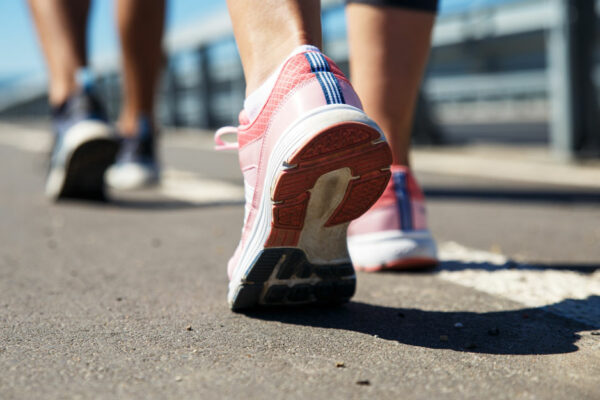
60	93
257	95
130	124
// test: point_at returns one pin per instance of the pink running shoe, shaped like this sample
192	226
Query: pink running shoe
312	161
393	233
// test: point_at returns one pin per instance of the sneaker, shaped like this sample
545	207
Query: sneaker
312	161
137	165
393	234
84	147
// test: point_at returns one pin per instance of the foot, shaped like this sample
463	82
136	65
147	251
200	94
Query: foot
84	147
312	161
137	164
393	233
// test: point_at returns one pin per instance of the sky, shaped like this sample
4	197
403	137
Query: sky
19	51
20	54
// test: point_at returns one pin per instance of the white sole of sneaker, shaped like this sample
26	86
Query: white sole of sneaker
88	144
328	168
392	250
132	176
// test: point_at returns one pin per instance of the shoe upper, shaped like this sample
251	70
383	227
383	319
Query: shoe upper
139	148
306	81
401	207
80	106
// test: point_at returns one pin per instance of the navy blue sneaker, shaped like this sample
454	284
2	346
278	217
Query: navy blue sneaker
137	162
84	147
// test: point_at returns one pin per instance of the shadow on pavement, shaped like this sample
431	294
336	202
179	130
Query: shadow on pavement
517	332
516	195
451	265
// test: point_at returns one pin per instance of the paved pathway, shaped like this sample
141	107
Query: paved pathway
127	300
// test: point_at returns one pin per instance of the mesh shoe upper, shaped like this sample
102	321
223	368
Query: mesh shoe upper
401	207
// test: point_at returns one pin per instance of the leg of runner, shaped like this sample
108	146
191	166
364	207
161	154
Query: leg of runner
267	32
389	46
311	158
61	27
141	26
84	144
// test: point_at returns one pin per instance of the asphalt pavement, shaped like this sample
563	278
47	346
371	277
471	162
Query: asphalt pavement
128	299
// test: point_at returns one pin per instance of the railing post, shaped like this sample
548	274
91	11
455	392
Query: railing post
575	131
172	96
205	88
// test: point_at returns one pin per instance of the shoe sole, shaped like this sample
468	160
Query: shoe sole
92	151
408	264
132	176
393	250
328	181
85	172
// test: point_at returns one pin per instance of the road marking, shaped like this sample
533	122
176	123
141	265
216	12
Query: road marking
193	188
570	294
27	139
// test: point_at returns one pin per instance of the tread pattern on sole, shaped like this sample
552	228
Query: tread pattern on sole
352	145
284	276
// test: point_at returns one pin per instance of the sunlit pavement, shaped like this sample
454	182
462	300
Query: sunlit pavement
127	299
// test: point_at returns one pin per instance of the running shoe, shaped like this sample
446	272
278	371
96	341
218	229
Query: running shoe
137	163
312	162
393	234
84	147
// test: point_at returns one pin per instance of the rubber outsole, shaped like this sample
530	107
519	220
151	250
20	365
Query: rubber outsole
84	173
355	160
346	145
284	276
132	176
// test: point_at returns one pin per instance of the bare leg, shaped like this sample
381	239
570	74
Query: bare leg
141	25
61	27
389	47
266	32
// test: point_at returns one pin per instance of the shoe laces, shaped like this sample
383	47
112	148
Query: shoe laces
221	144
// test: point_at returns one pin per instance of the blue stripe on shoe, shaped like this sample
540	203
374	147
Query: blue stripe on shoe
329	83
403	201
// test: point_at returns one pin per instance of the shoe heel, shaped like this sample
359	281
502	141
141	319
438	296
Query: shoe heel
332	179
284	276
336	173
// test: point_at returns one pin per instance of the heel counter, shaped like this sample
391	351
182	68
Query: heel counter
334	84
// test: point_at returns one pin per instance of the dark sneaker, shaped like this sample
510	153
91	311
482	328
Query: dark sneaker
84	147
137	163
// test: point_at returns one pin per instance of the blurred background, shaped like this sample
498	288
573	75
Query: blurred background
502	72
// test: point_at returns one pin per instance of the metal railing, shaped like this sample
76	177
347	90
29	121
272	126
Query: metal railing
203	84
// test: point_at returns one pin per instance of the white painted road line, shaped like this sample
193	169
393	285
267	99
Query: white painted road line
192	188
26	139
571	294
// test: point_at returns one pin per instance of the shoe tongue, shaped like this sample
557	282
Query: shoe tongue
243	117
